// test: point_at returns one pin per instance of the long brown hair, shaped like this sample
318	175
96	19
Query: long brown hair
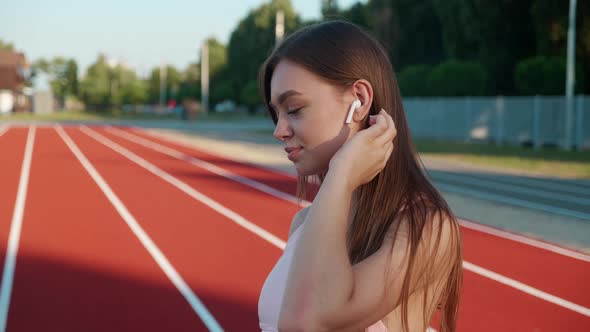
340	53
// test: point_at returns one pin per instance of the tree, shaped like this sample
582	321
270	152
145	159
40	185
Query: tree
550	19
506	30
95	88
459	28
419	39
358	14
413	80
544	76
6	45
457	78
190	85
172	84
329	8
252	41
497	34
384	24
63	74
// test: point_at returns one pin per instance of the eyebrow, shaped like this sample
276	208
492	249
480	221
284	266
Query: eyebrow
283	96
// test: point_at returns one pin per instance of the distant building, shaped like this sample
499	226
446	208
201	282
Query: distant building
13	69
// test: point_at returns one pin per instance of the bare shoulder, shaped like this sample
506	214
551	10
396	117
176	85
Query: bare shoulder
440	245
298	219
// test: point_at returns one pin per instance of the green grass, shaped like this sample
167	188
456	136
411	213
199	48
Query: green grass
117	114
547	161
84	116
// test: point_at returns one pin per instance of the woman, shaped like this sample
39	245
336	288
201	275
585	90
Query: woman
379	249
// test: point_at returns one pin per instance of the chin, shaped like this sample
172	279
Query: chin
306	170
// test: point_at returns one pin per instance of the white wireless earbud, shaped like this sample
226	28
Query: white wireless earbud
355	104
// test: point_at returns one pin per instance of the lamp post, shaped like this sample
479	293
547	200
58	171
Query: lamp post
162	85
205	78
570	76
279	27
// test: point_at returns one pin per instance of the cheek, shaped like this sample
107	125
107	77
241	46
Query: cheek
321	143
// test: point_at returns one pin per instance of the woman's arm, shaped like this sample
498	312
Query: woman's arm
320	276
325	293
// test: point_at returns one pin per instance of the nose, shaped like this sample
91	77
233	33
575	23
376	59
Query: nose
282	129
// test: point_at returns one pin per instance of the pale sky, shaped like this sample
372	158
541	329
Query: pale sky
142	33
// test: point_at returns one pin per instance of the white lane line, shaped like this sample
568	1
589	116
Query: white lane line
250	226
527	289
187	145
525	240
290	198
143	237
15	230
3	129
466	265
206	165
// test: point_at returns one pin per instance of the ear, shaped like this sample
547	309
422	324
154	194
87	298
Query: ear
363	91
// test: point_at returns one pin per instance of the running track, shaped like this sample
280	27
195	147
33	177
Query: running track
114	229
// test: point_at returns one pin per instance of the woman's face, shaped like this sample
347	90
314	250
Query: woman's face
311	115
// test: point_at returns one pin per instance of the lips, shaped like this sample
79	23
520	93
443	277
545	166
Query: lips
293	152
289	149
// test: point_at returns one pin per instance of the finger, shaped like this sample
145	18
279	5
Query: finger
389	133
377	128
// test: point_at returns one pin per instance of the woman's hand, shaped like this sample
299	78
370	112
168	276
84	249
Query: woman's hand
360	159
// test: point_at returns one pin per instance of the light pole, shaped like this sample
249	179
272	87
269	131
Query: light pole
162	85
279	27
205	77
570	76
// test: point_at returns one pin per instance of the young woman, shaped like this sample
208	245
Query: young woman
379	249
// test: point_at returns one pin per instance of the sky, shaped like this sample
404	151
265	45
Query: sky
142	33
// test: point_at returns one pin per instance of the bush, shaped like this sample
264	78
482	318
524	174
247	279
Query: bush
541	75
457	78
413	80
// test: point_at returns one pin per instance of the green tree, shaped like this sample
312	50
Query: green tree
550	19
128	89
329	8
413	80
217	56
252	41
420	39
358	14
6	45
96	87
461	34
190	85
544	76
63	74
506	37
172	84
457	78
111	85
384	24
495	33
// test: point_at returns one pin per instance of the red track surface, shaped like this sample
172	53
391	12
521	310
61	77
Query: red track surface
80	267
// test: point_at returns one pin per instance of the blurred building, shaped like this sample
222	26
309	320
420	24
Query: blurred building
13	73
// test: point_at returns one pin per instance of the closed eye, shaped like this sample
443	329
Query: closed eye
295	111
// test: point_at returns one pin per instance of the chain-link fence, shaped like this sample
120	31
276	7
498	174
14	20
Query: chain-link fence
525	120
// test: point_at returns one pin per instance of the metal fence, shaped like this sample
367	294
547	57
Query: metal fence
524	120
